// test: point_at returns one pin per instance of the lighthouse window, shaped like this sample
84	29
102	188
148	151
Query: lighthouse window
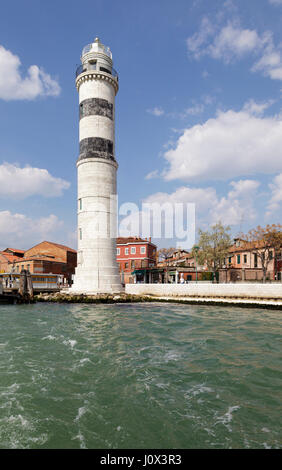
80	234
80	204
81	110
110	147
104	70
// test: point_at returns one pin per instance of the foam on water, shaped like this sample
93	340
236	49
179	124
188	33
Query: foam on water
151	376
71	342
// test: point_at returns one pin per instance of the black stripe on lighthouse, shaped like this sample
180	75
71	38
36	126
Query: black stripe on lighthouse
96	147
95	107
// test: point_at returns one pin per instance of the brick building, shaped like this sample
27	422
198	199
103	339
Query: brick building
8	257
48	257
242	264
135	255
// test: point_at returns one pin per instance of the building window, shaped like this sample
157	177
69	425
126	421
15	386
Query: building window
28	266
143	250
245	258
133	250
238	259
80	234
125	265
126	251
270	255
118	251
255	260
132	264
230	259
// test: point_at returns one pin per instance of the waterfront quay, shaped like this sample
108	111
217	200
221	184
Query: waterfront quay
240	295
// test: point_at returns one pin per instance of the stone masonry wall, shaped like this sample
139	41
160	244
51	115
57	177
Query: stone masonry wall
270	291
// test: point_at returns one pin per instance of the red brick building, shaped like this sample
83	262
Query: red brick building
134	255
46	257
8	257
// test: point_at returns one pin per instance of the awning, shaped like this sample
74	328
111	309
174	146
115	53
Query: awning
139	271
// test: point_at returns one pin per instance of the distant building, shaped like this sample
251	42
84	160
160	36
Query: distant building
242	264
14	252
48	257
135	256
8	258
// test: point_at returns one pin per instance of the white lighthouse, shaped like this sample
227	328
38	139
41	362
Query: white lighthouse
97	84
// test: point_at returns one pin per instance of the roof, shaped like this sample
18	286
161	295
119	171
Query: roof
127	240
63	247
248	246
10	258
15	250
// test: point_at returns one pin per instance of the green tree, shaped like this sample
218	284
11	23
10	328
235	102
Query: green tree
213	246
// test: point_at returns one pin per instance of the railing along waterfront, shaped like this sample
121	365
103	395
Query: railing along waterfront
88	67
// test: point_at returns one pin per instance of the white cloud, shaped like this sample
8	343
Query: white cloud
152	174
238	204
20	231
210	207
20	183
270	63
196	109
276	194
156	111
231	145
236	207
196	43
232	42
13	86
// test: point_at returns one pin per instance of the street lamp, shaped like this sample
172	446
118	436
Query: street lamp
196	249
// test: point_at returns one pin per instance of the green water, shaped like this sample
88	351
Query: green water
139	376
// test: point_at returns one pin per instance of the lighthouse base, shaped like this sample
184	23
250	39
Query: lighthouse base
96	281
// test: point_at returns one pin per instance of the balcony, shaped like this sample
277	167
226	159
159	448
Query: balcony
88	67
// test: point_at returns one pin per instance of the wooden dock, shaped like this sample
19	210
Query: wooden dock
16	290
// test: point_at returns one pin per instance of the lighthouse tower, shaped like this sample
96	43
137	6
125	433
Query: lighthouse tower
97	84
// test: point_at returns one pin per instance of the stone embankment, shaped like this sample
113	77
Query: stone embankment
63	297
259	296
241	294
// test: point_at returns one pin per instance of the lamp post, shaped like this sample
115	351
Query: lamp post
196	249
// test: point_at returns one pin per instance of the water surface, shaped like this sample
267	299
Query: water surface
139	376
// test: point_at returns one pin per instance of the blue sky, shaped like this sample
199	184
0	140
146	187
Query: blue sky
198	112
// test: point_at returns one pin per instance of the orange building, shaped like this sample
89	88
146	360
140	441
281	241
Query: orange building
243	264
8	257
45	257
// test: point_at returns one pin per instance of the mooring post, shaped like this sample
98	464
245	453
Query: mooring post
29	285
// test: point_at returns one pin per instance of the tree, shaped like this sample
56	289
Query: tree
213	247
265	242
164	253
